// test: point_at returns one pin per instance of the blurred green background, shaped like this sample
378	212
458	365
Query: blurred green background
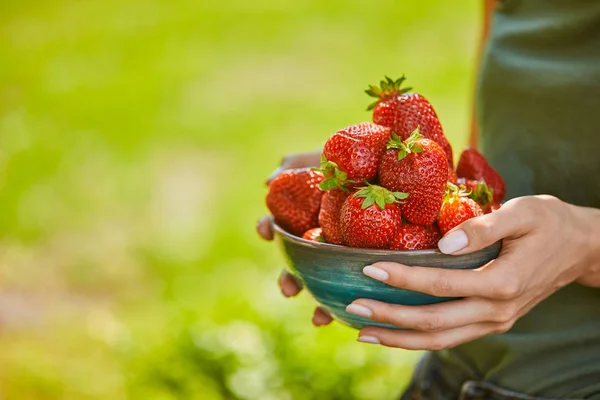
135	137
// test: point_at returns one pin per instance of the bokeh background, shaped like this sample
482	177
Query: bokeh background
135	137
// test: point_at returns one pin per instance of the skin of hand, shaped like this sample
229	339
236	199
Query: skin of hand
547	244
289	286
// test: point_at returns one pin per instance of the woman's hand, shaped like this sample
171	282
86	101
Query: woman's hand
547	244
288	285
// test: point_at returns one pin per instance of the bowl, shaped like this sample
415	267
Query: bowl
333	275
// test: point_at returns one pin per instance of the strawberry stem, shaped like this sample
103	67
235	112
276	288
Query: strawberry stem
374	194
453	192
334	177
408	146
387	88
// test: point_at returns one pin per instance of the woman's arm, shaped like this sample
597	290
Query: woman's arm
488	9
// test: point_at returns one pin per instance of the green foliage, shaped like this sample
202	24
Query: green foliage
135	138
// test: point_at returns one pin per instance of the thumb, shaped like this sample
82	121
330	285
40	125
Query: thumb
483	231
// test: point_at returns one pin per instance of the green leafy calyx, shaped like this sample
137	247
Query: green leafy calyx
334	177
482	194
387	88
453	192
408	146
374	194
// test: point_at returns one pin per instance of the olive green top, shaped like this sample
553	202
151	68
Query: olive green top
538	102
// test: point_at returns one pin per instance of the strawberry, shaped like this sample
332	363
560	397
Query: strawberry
417	166
294	199
457	209
329	216
473	165
314	234
404	112
452	178
370	217
478	191
352	154
416	237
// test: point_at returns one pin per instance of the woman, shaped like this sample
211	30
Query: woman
528	323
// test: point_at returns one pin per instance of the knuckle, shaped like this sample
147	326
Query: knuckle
431	323
506	313
441	286
481	228
502	327
507	288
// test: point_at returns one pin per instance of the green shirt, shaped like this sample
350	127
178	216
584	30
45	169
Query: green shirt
538	105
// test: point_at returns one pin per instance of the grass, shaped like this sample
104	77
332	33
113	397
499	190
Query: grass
135	137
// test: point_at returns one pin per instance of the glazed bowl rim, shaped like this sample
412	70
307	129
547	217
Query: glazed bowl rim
346	249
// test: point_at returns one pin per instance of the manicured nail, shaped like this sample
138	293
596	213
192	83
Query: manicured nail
376	273
359	310
453	242
368	339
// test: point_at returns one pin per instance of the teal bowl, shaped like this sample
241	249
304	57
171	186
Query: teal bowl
333	274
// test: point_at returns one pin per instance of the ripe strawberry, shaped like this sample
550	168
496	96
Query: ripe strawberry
294	199
329	216
416	237
404	112
478	191
314	234
473	165
352	154
452	178
457	209
417	166
370	217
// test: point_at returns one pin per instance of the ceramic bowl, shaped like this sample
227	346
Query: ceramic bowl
333	274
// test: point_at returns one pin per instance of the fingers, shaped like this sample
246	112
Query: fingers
290	287
320	317
413	340
435	317
514	219
263	227
434	281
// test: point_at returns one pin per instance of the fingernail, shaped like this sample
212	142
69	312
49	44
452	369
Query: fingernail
376	273
359	310
368	339
453	242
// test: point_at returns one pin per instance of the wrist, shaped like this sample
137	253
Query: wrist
587	222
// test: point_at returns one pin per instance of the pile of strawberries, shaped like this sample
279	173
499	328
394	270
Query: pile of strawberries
389	183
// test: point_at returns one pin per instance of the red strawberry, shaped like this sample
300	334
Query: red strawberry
452	178
404	112
473	165
370	217
417	166
294	199
314	234
416	237
457	209
478	191
329	216
353	153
